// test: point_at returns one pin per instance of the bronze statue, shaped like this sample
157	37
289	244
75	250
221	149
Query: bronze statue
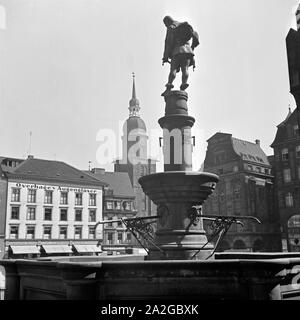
178	51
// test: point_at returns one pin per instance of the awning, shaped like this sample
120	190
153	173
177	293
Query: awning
25	249
115	248
82	248
57	248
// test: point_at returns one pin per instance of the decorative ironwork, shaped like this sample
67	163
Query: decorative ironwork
219	226
140	228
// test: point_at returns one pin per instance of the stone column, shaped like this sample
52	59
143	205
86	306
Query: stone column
176	125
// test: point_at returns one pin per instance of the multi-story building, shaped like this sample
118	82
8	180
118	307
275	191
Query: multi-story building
48	207
135	159
286	166
245	188
119	202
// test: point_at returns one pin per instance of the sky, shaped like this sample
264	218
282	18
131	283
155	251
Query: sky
66	72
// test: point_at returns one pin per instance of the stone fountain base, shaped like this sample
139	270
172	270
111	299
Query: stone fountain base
180	234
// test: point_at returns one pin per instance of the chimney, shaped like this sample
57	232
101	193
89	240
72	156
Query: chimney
98	171
257	142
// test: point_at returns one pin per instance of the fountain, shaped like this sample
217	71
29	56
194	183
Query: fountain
178	190
170	270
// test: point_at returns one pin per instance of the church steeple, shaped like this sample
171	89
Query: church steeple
134	104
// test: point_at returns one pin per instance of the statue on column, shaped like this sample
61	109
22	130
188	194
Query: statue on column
178	51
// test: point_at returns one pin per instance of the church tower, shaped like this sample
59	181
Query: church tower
134	154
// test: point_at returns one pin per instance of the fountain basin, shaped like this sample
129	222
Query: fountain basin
180	234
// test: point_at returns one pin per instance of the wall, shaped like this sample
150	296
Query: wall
55	222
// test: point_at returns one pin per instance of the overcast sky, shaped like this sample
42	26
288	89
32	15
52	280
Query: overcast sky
65	71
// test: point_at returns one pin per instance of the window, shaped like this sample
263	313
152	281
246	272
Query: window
110	223
31	196
110	237
15	212
285	154
78	215
92	215
127	204
30	213
14	232
63	214
258	169
47	232
63	231
64	198
78	232
267	171
298	151
120	237
30	232
119	224
250	168
48	197
289	200
15	195
128	237
78	199
287	175
235	169
109	205
117	205
48	214
92	233
296	130
92	201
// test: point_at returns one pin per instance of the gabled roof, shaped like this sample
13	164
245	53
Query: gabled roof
286	119
249	151
219	135
119	182
282	132
38	169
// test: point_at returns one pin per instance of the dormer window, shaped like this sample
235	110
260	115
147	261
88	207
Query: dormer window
285	154
298	151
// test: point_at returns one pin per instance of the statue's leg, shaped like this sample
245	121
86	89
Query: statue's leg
172	76
185	73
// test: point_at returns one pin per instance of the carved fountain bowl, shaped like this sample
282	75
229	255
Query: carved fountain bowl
179	186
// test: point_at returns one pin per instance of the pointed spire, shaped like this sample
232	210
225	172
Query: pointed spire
133	86
134	104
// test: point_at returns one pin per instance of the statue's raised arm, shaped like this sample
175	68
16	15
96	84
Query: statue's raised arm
178	51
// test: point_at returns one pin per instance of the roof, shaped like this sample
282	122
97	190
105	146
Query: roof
249	151
38	169
134	122
282	134
7	168
118	181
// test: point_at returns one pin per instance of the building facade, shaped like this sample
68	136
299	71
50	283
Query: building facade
135	159
48	208
286	168
245	189
119	202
